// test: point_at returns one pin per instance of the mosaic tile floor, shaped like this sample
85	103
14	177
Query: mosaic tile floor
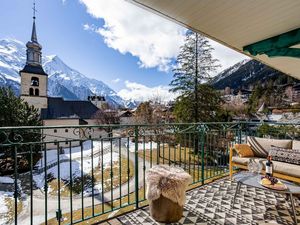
211	204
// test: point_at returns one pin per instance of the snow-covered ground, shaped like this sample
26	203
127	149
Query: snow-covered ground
6	180
81	162
142	146
75	152
4	210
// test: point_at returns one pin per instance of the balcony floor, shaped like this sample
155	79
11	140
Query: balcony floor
210	204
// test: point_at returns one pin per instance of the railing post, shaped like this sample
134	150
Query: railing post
240	133
158	153
16	184
202	139
136	169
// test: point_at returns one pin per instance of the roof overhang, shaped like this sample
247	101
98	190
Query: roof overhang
267	30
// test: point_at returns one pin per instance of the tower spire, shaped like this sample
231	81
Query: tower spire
33	35
34	54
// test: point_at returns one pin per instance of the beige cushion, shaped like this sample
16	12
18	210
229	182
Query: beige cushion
244	161
279	167
262	146
287	168
295	144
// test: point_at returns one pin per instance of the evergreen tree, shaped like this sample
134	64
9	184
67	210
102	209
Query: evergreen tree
15	112
195	64
209	103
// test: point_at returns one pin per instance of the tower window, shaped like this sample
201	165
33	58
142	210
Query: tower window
37	92
35	81
30	91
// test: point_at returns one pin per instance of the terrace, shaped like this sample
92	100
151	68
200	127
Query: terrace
91	178
97	173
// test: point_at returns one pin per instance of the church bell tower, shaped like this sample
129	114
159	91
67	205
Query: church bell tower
34	80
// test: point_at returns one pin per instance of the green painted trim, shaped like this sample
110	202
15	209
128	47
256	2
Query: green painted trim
287	52
277	46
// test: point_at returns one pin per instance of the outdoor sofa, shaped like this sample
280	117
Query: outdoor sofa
288	169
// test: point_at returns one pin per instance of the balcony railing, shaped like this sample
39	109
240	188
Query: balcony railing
69	174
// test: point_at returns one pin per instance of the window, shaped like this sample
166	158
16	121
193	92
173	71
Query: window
37	92
66	142
30	91
55	131
66	130
35	81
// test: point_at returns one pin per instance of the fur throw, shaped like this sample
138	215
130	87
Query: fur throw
171	182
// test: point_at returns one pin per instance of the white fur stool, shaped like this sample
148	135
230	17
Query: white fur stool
166	187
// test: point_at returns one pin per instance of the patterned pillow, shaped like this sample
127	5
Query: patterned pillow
261	146
285	155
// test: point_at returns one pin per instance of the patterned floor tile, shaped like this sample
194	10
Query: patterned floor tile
212	205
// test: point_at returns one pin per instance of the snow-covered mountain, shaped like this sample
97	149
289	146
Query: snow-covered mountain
227	72
244	74
77	83
63	80
12	58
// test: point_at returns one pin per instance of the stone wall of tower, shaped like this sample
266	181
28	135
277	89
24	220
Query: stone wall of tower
26	79
38	97
37	102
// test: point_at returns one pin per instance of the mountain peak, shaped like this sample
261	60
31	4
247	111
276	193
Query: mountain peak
11	41
51	57
245	74
10	46
63	80
54	58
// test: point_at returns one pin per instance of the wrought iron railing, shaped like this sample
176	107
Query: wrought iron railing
69	174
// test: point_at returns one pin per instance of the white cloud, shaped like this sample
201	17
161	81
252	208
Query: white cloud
86	27
116	80
154	40
129	29
140	92
90	27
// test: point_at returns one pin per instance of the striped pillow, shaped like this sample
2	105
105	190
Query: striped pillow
262	146
285	155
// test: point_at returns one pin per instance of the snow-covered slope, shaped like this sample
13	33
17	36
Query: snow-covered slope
63	80
77	83
244	74
12	58
227	72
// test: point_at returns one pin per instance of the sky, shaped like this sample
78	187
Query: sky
130	49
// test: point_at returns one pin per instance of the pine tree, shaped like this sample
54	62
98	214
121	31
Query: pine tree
195	64
209	106
15	112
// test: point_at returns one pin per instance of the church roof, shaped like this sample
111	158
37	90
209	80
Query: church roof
58	108
34	69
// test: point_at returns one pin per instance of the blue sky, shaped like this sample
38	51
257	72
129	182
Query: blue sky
128	48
